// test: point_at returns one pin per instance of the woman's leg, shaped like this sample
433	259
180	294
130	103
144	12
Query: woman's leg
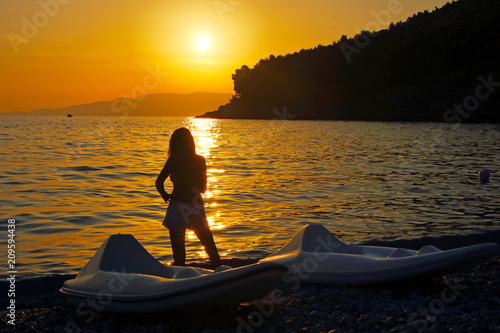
207	240
177	240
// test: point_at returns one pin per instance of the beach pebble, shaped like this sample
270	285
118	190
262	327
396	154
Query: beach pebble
59	329
211	330
160	328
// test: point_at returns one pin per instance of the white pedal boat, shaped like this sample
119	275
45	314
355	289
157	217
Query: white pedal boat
315	255
124	277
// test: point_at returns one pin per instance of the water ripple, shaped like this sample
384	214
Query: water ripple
71	184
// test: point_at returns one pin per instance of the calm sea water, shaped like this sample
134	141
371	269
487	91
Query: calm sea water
71	182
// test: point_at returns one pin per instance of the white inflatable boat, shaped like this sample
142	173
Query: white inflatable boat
315	255
123	277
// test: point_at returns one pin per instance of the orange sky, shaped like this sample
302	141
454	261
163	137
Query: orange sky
56	53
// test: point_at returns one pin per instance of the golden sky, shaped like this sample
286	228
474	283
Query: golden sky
56	53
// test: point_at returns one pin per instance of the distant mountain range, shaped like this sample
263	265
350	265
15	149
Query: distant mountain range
168	104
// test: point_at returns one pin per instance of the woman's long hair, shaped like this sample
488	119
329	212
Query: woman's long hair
181	143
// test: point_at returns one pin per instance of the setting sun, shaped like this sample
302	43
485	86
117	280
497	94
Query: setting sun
68	53
202	42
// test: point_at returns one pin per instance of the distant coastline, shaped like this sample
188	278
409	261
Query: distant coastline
167	104
438	66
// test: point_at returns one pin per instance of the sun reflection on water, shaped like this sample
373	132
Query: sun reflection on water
264	183
206	133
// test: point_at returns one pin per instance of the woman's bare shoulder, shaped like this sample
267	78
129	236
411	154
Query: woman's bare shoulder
200	158
169	161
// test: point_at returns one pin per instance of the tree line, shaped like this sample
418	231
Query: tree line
435	66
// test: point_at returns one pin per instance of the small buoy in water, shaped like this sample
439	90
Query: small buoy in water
484	176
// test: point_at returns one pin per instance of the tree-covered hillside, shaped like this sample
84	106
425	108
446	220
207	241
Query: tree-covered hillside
436	66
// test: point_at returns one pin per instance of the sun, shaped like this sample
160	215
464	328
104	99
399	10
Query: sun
202	42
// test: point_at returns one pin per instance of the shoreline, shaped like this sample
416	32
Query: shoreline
444	242
458	303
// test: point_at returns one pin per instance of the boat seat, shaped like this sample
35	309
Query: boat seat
317	238
428	249
187	272
124	254
222	268
401	253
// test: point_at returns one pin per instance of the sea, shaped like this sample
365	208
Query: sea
68	183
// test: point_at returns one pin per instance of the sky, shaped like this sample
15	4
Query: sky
57	53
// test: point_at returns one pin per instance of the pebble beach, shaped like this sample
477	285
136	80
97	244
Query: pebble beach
462	302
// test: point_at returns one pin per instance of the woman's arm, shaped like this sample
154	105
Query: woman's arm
203	180
160	181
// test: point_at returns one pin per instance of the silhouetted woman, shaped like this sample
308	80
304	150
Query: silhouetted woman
188	173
